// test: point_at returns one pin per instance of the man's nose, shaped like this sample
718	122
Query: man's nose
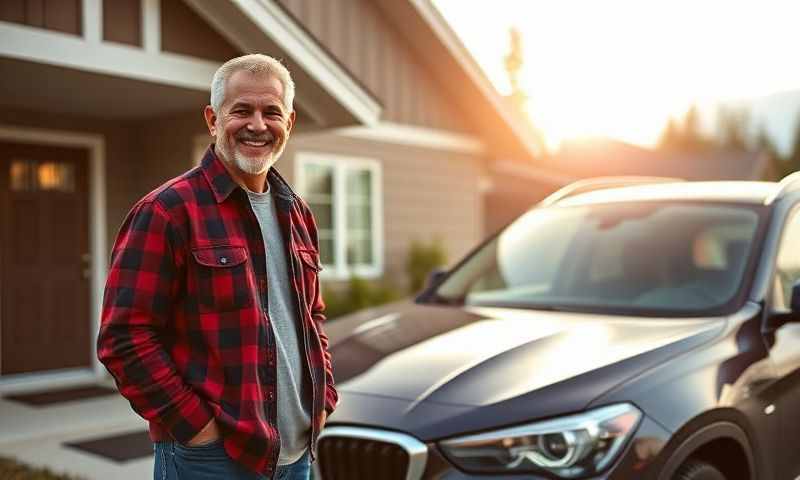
257	123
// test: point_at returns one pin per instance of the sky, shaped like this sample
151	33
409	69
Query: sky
621	68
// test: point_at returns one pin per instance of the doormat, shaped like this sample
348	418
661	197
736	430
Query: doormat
118	448
50	397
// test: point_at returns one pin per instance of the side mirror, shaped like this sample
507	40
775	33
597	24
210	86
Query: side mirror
436	277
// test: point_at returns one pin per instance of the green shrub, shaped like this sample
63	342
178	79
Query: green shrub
359	294
13	470
422	260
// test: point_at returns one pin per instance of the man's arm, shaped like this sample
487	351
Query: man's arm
143	282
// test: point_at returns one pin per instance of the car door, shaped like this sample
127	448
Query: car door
785	352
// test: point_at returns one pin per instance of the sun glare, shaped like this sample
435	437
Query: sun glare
621	68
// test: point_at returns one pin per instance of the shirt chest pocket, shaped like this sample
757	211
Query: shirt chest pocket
222	278
310	268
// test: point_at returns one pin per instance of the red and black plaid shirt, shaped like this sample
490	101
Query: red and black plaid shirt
185	330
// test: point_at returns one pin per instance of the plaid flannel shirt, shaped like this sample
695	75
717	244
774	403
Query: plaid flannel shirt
185	331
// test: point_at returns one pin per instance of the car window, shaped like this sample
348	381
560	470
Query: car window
651	257
787	266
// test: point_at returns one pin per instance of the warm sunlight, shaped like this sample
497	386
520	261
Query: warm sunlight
620	67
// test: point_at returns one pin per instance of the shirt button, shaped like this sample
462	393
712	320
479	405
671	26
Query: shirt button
223	260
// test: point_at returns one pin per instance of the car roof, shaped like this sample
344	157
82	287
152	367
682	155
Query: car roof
756	193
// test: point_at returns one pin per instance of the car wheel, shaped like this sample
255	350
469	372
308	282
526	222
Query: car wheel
697	470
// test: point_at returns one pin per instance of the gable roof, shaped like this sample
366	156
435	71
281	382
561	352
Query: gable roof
429	34
331	96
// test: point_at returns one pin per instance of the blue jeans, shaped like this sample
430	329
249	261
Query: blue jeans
174	461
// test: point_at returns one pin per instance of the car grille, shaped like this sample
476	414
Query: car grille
346	453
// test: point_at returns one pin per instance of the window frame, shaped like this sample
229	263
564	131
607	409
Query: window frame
341	164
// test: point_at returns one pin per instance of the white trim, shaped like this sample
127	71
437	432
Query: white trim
54	48
95	144
93	20
400	134
340	164
151	26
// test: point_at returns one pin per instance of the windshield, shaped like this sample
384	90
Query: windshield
648	258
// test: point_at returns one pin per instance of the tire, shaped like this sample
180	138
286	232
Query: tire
698	470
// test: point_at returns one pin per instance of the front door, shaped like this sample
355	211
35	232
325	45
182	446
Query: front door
44	259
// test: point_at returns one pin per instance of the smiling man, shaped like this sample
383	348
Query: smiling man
212	318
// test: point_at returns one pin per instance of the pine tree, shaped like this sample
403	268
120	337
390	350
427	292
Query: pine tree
733	124
792	163
670	138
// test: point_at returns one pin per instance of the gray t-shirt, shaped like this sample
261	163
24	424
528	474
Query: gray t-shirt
294	404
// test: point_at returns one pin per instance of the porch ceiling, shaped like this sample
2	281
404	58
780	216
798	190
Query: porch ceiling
52	89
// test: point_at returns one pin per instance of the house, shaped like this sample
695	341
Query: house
603	157
396	136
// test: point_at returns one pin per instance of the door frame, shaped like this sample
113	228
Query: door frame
96	146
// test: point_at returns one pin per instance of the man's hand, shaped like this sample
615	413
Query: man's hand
208	434
322	420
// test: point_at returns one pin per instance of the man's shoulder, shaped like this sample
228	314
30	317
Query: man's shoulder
175	193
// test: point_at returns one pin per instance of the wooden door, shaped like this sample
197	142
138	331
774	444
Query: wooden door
44	259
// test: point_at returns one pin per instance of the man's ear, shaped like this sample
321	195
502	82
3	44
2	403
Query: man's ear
211	120
290	123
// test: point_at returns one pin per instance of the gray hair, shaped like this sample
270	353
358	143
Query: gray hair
257	64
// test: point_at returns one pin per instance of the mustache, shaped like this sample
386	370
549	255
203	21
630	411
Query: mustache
251	137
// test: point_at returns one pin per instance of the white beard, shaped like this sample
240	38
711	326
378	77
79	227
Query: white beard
249	165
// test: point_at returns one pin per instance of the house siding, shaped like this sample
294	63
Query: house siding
427	195
357	34
122	21
184	32
60	15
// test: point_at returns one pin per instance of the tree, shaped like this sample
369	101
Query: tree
733	124
767	147
792	163
684	135
670	136
513	63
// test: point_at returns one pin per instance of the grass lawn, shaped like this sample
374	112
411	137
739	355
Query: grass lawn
13	470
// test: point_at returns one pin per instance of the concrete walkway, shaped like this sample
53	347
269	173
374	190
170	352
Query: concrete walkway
36	436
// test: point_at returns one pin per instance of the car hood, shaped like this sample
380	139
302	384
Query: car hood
432	363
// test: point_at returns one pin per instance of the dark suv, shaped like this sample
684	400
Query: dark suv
622	329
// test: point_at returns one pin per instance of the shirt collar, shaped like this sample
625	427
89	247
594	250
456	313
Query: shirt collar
222	184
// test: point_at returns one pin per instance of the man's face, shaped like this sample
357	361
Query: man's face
253	125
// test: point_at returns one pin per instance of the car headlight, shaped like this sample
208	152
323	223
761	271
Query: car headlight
570	447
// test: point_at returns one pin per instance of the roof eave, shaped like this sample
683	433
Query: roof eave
329	94
444	54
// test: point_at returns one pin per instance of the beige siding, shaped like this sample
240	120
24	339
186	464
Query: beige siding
356	33
426	194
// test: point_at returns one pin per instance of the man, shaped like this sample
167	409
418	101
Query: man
212	317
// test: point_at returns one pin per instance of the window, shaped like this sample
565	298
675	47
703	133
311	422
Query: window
344	194
787	268
29	176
